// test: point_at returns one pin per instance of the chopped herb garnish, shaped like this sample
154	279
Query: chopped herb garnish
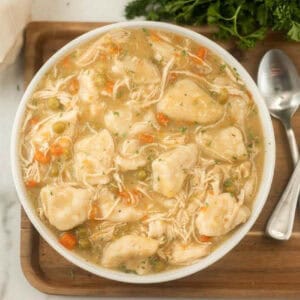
213	93
153	260
146	31
120	94
124	269
222	67
183	129
116	113
227	182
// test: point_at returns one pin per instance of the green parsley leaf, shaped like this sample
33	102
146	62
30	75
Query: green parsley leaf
183	129
246	21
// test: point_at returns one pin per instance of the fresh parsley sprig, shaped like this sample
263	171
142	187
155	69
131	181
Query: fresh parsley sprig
247	21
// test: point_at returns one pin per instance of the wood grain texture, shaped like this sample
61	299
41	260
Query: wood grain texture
257	267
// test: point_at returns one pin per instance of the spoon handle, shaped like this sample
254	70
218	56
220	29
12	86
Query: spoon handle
281	222
293	143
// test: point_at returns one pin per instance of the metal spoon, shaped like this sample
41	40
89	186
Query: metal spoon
279	84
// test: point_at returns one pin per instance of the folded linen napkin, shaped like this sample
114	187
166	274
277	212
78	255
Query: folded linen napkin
14	15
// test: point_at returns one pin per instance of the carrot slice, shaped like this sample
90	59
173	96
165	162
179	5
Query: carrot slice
109	86
146	138
203	209
162	119
31	183
144	218
155	37
56	150
126	197
95	212
41	157
202	52
73	86
204	238
68	240
66	62
136	193
172	77
33	121
114	49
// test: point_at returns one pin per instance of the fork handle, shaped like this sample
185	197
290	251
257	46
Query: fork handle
281	222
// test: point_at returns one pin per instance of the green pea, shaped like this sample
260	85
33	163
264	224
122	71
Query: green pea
156	263
53	103
84	243
59	127
141	174
228	186
81	232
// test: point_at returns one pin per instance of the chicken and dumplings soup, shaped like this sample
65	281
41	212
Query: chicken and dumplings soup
141	150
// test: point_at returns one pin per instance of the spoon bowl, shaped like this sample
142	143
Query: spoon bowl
279	84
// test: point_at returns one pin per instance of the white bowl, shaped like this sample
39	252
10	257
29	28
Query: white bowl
225	247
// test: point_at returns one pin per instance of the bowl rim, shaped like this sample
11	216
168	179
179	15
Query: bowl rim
226	246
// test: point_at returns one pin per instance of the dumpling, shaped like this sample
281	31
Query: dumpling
119	121
64	206
223	213
45	134
226	144
168	169
121	212
186	101
130	157
162	50
141	71
93	158
188	254
91	107
249	187
238	110
148	124
127	248
157	228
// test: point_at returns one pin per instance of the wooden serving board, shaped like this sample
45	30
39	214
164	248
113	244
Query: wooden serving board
257	267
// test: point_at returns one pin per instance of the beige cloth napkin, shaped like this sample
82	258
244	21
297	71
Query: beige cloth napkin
14	15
